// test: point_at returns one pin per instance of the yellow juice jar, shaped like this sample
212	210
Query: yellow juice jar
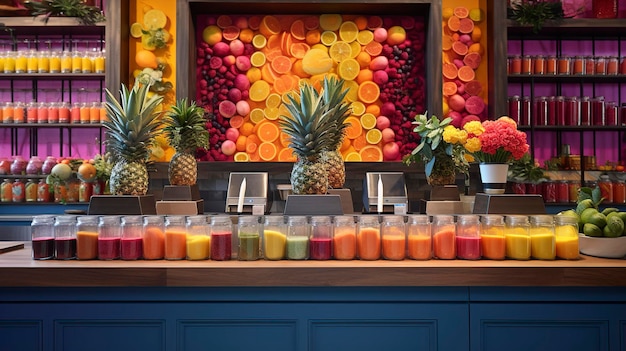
32	62
198	239
55	62
517	237
542	239
43	62
66	62
566	231
99	62
77	62
21	62
9	62
87	63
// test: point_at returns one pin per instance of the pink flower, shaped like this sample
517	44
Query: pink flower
501	141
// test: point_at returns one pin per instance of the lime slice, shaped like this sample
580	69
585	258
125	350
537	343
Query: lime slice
136	30
154	19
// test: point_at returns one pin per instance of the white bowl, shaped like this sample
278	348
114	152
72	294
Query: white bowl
602	247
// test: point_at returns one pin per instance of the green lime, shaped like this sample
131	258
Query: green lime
586	214
598	219
622	216
584	204
592	230
608	210
614	227
476	14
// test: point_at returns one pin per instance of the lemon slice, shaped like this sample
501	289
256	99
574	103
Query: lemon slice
241	157
257	115
348	69
373	136
259	41
358	108
348	31
273	100
340	51
136	30
257	59
328	38
368	121
353	157
154	19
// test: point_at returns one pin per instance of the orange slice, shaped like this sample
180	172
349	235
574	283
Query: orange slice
273	100
256	115
371	153
348	31
273	42
259	41
231	33
236	122
257	59
328	38
330	21
269	25
355	129
450	71
224	21
348	69
241	157
281	64
365	37
268	75
267	131
358	108
373	136
374	48
297	29
454	23
286	155
461	12
340	51
271	113
360	142
368	92
353	157
466	74
267	151
284	139
449	88
298	50
313	37
259	90
368	121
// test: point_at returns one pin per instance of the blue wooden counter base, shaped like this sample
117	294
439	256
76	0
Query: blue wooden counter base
378	305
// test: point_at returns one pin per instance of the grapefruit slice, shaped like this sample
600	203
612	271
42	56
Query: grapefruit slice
454	23
459	48
474	87
231	33
461	12
297	29
298	50
359	142
450	71
281	64
472	59
466	25
466	73
374	48
475	105
449	88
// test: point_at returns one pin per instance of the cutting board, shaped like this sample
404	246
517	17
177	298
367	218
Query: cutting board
7	246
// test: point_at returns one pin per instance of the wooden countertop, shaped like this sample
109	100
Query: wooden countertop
17	269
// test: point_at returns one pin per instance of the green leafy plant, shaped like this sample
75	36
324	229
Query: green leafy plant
86	14
536	13
525	170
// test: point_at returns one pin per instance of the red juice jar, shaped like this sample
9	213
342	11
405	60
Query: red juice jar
519	188
619	192
526	108
109	238
131	244
572	111
515	64
541	111
551	120
600	65
468	241
622	114
42	234
562	191
604	8
549	191
65	237
598	111
610	118
533	188
515	108
590	65
622	66
221	238
320	242
559	111
612	65
585	111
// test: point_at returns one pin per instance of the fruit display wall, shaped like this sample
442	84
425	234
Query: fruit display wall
464	67
247	66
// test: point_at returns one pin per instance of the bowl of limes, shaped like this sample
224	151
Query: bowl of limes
602	246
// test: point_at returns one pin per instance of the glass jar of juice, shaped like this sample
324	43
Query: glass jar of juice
94	112
6	191
606	188
444	237
18	191
517	237
21	62
55	62
542	239
18	111
468	237
32	62
368	238
221	238
566	233
9	62
43	191
492	241
87	237
64	112
175	238
344	238
198	240
419	238
274	237
249	236
99	62
320	242
66	62
77	62
619	192
298	231
42	237
53	112
604	8
131	243
109	237
153	237
85	115
65	237
31	112
31	191
393	232
42	112
43	62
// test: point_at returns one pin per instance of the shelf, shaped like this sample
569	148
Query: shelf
574	128
30	21
23	176
53	76
573	28
566	78
51	125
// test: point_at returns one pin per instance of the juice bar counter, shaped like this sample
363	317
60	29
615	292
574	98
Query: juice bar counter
312	305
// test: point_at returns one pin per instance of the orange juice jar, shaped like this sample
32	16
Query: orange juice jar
31	112
492	241
175	238
527	64
551	63
515	64
600	65
564	65
444	237
94	112
53	112
393	232
578	65
103	112
84	113
419	239
153	238
368	238
87	237
75	113
344	238
612	65
539	64
7	113
18	112
64	112
42	112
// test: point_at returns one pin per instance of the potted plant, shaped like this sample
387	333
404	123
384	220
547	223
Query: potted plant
535	13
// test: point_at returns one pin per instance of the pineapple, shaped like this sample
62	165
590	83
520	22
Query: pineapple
185	130
132	126
310	132
333	97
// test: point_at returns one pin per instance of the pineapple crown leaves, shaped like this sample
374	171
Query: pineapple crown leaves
309	126
185	126
132	124
339	110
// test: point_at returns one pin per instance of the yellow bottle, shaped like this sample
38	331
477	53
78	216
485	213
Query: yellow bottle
77	62
87	63
20	63
516	234
32	62
66	62
99	62
43	62
55	62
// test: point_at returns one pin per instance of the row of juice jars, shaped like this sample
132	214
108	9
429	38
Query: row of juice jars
565	65
38	190
364	237
35	61
566	191
566	111
54	112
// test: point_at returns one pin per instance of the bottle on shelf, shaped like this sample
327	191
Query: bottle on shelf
55	62
43	62
42	112
32	62
18	112
9	62
66	62
53	112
